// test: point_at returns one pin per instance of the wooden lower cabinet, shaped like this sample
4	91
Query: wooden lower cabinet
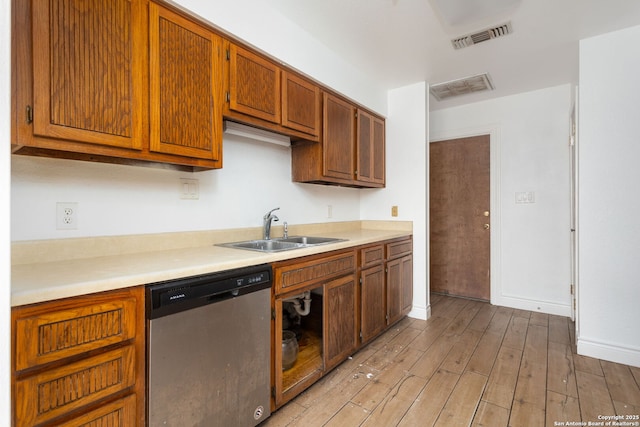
355	295
80	361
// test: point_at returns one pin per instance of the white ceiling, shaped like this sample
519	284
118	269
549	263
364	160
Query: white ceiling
400	42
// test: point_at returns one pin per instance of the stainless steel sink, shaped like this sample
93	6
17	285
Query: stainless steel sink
281	244
310	241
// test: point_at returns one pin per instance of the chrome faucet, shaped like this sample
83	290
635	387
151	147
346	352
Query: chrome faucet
266	225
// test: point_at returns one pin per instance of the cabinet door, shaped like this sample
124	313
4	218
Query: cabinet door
406	288
399	287
370	149
185	86
373	313
254	85
338	138
340	332
89	72
300	104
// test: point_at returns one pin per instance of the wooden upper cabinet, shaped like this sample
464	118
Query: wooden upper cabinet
370	149
300	104
338	138
89	71
254	85
186	86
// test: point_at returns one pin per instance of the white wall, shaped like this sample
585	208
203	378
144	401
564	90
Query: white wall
5	275
406	186
262	25
117	200
530	246
608	225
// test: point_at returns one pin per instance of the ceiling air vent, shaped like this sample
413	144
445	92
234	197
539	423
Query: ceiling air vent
482	36
446	90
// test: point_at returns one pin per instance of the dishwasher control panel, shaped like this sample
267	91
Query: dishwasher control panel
168	297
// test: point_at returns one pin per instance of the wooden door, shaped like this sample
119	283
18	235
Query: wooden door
300	104
370	148
338	138
89	72
186	86
373	315
459	217
254	85
340	332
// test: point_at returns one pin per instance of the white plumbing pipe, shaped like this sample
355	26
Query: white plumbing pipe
306	299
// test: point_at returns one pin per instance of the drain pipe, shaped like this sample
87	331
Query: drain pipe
306	299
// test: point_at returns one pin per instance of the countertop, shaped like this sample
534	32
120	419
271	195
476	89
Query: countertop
38	278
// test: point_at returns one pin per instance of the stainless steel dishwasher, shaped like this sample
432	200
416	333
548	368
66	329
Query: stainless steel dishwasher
208	355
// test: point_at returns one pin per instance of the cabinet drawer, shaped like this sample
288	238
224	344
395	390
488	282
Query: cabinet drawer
400	248
57	334
316	269
55	392
371	256
122	412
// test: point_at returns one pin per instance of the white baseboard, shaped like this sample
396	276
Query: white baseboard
532	305
422	313
611	352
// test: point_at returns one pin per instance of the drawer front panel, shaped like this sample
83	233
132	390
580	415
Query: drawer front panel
312	271
398	249
371	256
58	334
121	413
52	393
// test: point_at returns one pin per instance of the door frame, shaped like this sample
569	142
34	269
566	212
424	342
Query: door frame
494	201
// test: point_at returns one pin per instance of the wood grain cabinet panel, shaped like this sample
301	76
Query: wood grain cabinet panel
254	85
80	358
52	336
290	276
186	86
352	149
56	392
341	334
88	72
370	149
300	104
373	311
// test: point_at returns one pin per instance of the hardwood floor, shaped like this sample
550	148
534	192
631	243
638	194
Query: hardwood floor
469	364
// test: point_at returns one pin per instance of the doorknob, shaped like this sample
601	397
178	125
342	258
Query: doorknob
486	226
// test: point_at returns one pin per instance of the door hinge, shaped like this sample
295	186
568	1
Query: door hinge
571	288
228	55
29	114
574	304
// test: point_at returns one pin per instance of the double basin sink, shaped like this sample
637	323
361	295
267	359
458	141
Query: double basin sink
282	243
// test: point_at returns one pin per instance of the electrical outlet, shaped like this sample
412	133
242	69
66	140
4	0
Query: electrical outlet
329	211
394	211
67	216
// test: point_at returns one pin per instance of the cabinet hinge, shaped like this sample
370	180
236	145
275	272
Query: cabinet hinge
273	314
228	96
273	392
361	280
228	55
355	173
29	114
360	335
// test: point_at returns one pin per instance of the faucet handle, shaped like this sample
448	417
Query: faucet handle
268	214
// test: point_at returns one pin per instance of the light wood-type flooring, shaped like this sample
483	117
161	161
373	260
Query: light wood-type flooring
474	364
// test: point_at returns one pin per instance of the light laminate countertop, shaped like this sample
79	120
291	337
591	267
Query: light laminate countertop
39	281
